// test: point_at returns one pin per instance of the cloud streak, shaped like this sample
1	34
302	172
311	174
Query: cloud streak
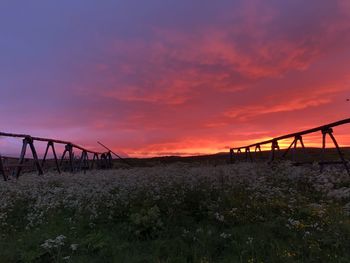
176	77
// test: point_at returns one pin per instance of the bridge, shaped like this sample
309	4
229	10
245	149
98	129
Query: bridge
100	159
297	137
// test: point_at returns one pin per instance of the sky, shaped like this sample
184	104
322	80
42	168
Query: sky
173	77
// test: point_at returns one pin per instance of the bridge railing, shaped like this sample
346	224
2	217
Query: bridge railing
102	159
326	130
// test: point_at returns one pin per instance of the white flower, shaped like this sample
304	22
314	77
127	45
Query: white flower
219	217
74	247
292	223
249	240
53	243
225	235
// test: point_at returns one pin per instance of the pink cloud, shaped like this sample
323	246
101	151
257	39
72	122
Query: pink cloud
256	111
247	72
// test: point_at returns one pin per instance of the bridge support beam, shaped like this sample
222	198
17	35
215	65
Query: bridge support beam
239	153
248	155
329	131
95	159
51	144
84	161
274	147
28	141
109	160
293	146
68	149
258	148
231	155
2	169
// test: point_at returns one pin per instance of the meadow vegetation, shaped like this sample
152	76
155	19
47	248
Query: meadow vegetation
246	212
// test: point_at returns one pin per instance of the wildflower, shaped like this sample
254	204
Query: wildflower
249	240
225	235
219	217
53	243
74	247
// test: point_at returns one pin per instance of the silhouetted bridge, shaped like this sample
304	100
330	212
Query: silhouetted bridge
100	159
325	130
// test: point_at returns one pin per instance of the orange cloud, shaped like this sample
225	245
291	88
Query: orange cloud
161	83
255	111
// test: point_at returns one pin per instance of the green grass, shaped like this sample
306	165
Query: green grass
271	221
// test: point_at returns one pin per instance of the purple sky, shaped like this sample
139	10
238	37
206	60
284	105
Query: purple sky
172	77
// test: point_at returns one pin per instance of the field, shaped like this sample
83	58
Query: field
178	212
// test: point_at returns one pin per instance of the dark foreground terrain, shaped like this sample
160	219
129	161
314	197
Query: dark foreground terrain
180	212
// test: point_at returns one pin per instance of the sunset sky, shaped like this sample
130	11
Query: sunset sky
173	77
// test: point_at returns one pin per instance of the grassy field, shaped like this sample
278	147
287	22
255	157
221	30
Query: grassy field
179	212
